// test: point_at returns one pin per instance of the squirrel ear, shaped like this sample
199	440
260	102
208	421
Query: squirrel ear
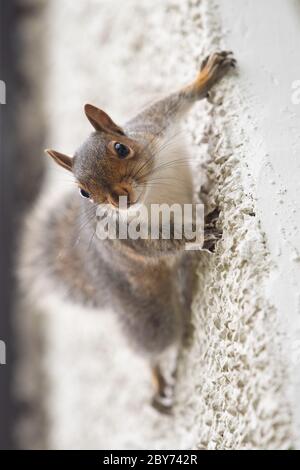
63	160
100	120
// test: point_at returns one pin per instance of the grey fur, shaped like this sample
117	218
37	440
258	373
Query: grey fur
141	280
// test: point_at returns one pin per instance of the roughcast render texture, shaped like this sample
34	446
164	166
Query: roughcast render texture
232	385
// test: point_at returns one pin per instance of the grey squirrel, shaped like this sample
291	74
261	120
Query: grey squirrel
139	278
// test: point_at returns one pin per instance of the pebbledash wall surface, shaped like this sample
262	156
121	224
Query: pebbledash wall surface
239	376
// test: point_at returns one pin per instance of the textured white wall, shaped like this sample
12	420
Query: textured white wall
234	388
266	39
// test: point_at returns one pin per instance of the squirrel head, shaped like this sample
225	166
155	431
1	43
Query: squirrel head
109	164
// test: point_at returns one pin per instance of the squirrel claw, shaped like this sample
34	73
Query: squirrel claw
226	53
204	62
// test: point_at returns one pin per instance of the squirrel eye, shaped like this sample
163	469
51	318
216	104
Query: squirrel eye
121	150
84	193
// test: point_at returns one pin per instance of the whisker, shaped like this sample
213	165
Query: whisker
157	135
91	240
87	218
165	145
174	163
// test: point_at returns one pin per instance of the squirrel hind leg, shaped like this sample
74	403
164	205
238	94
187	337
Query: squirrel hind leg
163	398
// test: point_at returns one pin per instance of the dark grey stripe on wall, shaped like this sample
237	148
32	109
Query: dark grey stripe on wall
7	155
21	176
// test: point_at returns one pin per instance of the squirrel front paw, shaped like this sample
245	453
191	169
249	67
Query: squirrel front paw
212	69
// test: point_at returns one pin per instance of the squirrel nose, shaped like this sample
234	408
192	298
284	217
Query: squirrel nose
121	189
